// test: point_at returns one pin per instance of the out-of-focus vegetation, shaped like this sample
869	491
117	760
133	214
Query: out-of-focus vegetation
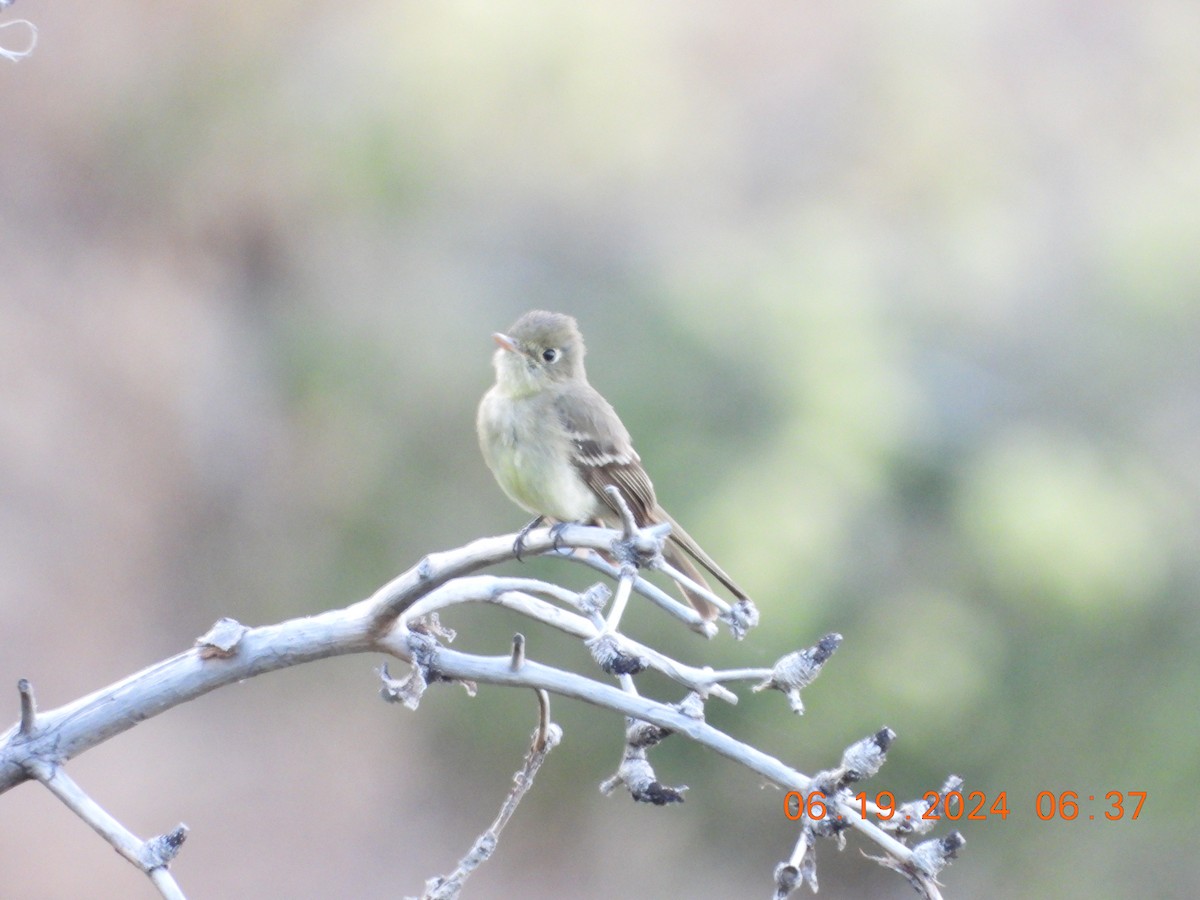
900	302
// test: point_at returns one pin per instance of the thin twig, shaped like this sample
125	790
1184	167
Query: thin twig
152	857
518	651
495	670
395	597
546	739
617	610
28	707
628	524
544	722
653	593
691	584
40	742
476	587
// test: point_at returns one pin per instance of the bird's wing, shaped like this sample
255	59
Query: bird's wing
604	454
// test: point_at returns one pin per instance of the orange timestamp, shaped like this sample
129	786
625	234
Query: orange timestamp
971	807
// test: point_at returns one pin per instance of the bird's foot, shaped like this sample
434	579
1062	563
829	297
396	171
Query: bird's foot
556	532
519	543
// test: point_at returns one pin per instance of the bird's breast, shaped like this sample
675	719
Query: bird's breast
529	453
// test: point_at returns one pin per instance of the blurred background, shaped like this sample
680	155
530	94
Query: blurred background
901	306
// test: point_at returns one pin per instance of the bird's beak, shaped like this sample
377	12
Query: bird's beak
504	342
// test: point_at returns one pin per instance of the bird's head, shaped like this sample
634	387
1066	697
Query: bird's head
541	349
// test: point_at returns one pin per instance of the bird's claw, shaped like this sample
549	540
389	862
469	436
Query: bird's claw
556	532
519	543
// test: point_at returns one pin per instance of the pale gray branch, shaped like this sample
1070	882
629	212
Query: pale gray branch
654	594
545	739
28	708
152	856
400	619
497	670
511	594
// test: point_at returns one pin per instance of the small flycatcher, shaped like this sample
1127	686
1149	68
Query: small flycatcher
554	444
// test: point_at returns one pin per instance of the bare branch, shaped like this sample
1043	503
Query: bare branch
64	733
624	587
395	597
401	620
546	738
691	584
658	597
627	521
504	592
152	856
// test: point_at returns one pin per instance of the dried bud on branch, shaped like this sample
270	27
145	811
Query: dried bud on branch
799	669
636	773
606	651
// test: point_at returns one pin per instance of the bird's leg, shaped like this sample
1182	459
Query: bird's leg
519	543
556	532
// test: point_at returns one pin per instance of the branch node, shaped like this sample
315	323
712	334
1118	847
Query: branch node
742	616
422	649
642	549
692	705
927	860
636	773
640	735
221	641
609	655
594	599
425	569
432	625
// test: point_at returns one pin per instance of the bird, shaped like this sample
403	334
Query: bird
554	444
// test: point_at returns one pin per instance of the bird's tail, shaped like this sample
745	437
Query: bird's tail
679	547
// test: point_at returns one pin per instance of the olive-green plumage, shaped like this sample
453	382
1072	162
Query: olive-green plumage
554	443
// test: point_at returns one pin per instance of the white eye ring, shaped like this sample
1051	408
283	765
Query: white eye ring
550	354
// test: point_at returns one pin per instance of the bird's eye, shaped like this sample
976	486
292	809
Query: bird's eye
550	354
